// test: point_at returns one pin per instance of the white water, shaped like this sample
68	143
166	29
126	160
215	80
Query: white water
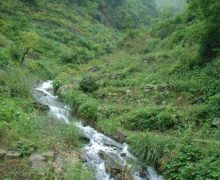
98	144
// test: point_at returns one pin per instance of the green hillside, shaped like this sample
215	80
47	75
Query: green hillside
139	77
176	5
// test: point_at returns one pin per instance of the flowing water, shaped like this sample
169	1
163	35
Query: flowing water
99	146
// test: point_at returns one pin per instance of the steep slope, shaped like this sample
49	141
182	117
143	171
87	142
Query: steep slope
156	87
177	6
121	14
159	93
36	40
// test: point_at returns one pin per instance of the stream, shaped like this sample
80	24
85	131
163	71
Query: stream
101	150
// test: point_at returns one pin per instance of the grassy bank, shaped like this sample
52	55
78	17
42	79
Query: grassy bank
156	100
150	79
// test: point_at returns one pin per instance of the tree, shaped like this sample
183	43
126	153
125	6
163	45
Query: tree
28	41
33	2
207	11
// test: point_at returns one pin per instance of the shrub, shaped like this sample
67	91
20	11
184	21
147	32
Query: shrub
67	56
89	109
15	82
4	58
7	113
88	85
189	161
56	85
25	147
83	105
153	118
76	55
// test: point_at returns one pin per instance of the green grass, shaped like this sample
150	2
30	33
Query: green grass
151	87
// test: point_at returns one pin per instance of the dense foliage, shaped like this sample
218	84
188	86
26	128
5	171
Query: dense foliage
208	13
136	70
120	14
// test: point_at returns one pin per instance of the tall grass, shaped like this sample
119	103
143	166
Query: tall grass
150	148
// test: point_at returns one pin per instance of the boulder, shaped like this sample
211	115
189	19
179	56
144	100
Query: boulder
216	123
40	106
37	161
13	155
128	92
2	153
94	69
66	89
113	164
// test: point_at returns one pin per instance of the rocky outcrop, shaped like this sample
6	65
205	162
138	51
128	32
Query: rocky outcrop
115	167
216	123
37	161
2	153
13	155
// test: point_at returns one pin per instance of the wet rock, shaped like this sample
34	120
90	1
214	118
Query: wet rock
119	136
40	106
13	155
2	153
84	138
115	171
94	69
123	154
113	164
216	123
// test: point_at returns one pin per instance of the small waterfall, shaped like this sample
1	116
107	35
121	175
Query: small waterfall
99	145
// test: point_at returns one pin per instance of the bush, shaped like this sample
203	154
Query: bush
77	55
67	56
5	60
15	82
89	109
88	85
83	105
189	161
25	147
7	113
153	118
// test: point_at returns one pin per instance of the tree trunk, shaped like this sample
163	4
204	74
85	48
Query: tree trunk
23	57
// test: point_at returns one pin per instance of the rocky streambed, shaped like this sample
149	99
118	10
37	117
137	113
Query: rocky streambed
111	160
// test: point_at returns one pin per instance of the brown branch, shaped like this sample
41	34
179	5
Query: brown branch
24	55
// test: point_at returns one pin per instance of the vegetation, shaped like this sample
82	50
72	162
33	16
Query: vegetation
136	70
